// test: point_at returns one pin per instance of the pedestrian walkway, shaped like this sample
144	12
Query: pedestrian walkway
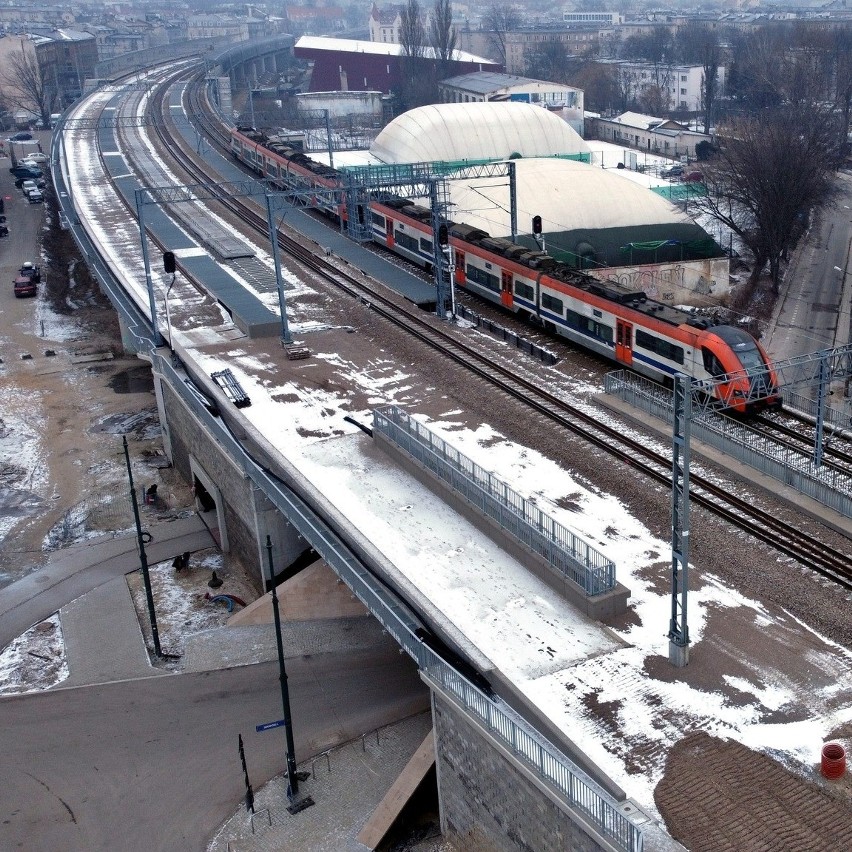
103	642
86	584
346	785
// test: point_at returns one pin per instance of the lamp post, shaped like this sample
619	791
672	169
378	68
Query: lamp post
292	780
146	577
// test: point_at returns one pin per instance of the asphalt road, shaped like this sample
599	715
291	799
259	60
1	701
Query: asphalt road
811	291
153	764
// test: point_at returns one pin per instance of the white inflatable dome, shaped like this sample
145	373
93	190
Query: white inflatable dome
475	131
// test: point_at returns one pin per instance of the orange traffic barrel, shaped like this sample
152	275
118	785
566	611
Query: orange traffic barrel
833	760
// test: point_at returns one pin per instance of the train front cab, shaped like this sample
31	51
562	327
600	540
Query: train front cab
742	369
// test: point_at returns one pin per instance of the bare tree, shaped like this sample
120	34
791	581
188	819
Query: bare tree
551	61
417	86
25	86
443	35
698	43
499	20
770	169
598	82
412	34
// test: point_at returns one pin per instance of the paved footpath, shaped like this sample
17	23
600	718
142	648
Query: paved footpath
75	571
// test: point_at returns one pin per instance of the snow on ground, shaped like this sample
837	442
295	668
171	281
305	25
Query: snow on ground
35	660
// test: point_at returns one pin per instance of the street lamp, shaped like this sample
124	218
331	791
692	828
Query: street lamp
292	777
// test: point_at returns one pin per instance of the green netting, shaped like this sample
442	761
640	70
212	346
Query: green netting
691	248
582	157
680	191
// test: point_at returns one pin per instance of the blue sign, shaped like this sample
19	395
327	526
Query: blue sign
269	725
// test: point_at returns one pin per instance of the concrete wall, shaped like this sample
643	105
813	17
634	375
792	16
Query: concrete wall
700	283
246	516
490	801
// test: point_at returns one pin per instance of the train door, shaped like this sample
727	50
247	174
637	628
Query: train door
624	342
460	276
389	231
506	289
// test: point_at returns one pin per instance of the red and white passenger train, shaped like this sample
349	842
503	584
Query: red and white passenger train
625	326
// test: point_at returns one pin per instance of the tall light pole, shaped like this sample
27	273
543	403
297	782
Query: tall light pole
292	780
146	577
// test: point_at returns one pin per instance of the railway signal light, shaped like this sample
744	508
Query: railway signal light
536	223
169	262
443	235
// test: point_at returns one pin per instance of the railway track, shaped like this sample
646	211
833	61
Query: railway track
742	514
799	435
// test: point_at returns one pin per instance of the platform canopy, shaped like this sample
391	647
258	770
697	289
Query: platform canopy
475	131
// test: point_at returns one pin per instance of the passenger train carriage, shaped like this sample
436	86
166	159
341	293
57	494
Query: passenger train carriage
625	326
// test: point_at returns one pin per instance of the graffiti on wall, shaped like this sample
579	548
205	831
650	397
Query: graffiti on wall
669	283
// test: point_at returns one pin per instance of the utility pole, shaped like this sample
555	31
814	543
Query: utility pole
146	577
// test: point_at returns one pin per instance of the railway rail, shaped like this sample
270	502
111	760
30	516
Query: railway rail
799	434
788	539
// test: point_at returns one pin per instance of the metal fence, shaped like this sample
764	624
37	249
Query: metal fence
573	787
565	551
508	336
829	486
838	418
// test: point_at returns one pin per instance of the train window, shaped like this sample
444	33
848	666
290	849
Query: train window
479	276
596	313
378	219
425	245
524	290
589	326
711	363
407	241
663	348
551	304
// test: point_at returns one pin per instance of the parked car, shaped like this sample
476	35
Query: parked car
4	229
36	157
30	270
27	185
693	177
26	172
25	286
672	171
35	196
22	136
38	181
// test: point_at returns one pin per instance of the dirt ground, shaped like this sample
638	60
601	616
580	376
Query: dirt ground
69	396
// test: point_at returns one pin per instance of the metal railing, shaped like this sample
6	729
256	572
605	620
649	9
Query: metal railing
508	336
565	551
835	417
829	486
